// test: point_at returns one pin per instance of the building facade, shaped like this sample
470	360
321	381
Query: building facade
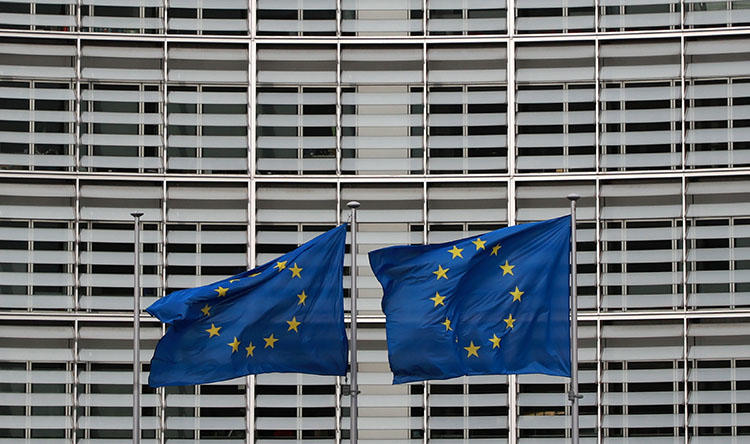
241	129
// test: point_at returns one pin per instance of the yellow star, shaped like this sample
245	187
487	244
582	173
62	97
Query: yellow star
509	322
250	349
517	294
472	349
221	290
495	341
293	324
302	296
441	272
232	281
479	243
438	299
270	341
280	265
257	274
507	269
495	249
213	331
447	324
456	252
295	271
206	310
234	344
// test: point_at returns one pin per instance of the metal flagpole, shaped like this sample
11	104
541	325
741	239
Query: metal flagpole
354	391
573	395
137	330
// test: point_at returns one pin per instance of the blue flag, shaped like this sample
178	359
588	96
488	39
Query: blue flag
284	316
491	304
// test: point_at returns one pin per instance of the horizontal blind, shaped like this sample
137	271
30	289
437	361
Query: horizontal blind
464	203
641	241
111	16
717	119
36	263
121	128
37	233
619	15
106	380
712	13
292	17
287	64
466	408
106	244
718	235
641	125
554	62
44	15
544	16
37	125
115	61
643	376
556	127
49	60
381	64
466	64
37	379
718	376
716	57
381	129
467	129
625	61
296	130
228	17
378	17
446	17
218	63
207	129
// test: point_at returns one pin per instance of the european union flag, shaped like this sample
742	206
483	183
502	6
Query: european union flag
284	316
490	304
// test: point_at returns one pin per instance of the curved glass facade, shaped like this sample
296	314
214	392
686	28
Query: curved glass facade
241	129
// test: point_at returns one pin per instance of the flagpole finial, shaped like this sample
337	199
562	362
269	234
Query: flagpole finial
574	196
353	204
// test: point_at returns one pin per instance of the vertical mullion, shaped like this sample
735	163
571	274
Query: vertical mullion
683	211
683	129
597	117
77	146
424	109
75	294
165	115
425	9
598	283
338	107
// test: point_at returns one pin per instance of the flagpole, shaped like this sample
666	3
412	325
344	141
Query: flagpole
573	395
353	390
137	330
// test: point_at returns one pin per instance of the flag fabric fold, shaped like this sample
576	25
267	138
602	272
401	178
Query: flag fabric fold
497	303
284	316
